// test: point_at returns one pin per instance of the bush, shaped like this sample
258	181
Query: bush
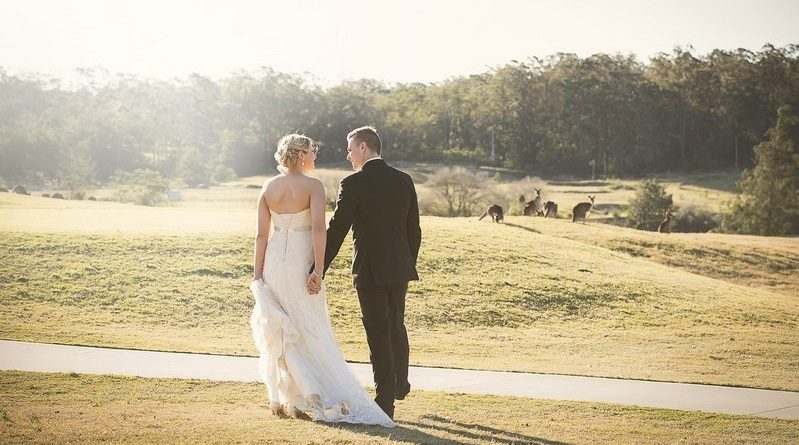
695	220
193	167
142	186
461	191
465	155
77	175
518	193
649	205
222	174
78	195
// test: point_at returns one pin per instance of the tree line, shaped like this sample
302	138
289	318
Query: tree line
560	115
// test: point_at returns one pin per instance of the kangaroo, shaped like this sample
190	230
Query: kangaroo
550	210
528	209
582	209
495	211
665	226
534	207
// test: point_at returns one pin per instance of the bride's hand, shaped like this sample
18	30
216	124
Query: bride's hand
314	283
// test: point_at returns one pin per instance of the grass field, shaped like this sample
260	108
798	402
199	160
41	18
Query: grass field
767	263
73	408
706	191
529	295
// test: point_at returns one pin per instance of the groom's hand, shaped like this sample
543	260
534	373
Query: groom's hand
314	283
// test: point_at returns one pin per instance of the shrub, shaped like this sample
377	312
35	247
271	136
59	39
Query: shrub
76	175
649	205
141	186
461	190
222	174
518	193
193	167
695	220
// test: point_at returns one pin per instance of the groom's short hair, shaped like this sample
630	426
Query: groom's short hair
369	135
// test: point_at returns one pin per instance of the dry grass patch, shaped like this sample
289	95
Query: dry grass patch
73	408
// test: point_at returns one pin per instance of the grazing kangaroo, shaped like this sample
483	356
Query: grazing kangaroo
533	207
582	209
495	211
665	226
550	210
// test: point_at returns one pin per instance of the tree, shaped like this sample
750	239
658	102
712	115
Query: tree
77	173
193	167
649	205
555	115
769	200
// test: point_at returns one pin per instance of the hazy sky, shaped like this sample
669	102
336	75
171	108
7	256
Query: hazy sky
397	40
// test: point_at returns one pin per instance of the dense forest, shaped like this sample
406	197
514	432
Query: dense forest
562	115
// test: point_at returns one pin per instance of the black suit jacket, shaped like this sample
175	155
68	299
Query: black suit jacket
379	203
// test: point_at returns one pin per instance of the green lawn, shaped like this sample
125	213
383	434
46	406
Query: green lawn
73	408
529	295
767	263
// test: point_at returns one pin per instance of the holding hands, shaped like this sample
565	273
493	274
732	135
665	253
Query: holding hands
314	283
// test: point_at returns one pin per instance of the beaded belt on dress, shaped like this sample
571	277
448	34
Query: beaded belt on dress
296	229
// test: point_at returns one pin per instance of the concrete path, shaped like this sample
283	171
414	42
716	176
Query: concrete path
718	399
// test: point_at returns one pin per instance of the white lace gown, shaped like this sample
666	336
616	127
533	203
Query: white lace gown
300	360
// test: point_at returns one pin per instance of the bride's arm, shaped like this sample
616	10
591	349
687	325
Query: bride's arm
318	227
262	235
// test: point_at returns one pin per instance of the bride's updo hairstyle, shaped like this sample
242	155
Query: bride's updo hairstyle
288	150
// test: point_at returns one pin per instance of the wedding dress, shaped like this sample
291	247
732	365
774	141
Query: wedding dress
300	360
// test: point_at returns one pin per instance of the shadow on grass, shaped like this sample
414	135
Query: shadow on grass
421	432
518	226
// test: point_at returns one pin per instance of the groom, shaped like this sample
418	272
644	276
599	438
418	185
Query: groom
379	203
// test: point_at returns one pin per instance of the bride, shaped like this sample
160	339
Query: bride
300	362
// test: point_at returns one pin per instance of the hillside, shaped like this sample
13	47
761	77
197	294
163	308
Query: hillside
529	295
768	263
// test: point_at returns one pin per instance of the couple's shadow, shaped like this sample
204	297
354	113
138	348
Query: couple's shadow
414	432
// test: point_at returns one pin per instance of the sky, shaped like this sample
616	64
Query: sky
389	40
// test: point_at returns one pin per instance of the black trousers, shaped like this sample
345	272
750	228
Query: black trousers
383	309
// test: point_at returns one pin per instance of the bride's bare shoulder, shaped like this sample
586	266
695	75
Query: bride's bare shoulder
314	181
280	181
274	179
266	185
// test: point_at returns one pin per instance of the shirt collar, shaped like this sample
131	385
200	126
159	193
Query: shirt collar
372	159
